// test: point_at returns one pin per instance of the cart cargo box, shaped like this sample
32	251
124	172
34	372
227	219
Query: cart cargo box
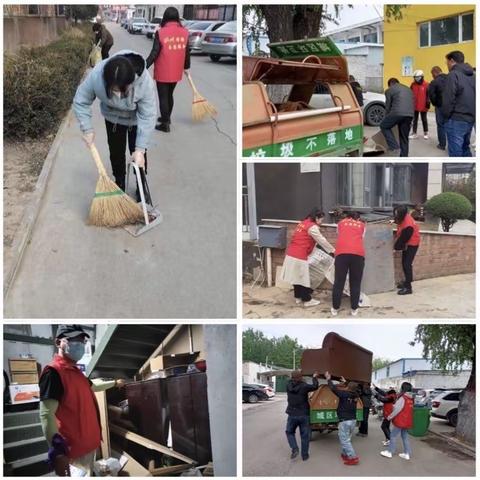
324	403
290	126
340	357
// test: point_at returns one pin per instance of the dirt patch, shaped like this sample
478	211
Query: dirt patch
446	448
22	164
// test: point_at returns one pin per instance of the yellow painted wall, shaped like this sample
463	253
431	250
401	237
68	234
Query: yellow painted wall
401	39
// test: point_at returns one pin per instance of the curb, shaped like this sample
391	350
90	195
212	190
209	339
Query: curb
467	449
24	231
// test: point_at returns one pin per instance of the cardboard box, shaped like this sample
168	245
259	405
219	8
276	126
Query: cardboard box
22	365
26	378
162	362
24	394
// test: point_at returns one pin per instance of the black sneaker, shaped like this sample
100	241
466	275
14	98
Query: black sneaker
440	147
305	457
400	285
294	454
405	291
163	127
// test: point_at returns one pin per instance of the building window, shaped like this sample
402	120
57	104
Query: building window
354	39
33	10
60	10
370	38
447	30
402	178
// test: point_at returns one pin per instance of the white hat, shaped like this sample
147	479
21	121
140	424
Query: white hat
418	73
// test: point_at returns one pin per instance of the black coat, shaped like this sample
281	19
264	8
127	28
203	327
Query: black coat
297	396
347	403
436	88
458	100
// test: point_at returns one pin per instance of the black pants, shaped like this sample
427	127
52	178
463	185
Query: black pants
363	428
408	256
304	293
352	265
117	136
105	50
165	99
403	130
423	115
386	428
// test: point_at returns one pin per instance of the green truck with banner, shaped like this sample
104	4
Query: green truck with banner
299	103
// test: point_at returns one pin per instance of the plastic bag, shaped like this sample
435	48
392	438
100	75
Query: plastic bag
95	56
107	467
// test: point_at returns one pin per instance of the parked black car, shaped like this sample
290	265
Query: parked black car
251	394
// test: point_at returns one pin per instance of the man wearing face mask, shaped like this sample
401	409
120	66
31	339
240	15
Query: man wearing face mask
68	408
421	101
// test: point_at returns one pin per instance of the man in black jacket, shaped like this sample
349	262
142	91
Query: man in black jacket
366	397
458	104
435	94
298	411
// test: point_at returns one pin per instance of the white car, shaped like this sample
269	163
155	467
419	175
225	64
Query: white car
136	24
445	405
266	388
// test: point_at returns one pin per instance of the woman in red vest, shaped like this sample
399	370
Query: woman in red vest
69	412
421	103
349	260
295	266
388	399
407	239
171	57
402	418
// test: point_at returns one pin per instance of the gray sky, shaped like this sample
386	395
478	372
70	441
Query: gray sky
387	341
356	14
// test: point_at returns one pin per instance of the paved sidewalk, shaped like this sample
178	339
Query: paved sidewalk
442	297
185	268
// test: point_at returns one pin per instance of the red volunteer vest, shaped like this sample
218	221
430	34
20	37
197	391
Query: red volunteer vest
408	221
388	407
302	243
350	237
169	65
405	418
77	413
420	96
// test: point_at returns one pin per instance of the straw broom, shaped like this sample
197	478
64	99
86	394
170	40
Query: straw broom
111	206
201	107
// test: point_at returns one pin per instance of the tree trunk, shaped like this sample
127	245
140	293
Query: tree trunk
465	429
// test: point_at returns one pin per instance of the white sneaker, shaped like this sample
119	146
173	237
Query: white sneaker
354	312
405	456
298	301
386	442
334	312
425	136
386	453
413	135
311	303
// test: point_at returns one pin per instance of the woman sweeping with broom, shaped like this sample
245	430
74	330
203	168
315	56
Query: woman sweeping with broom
127	102
171	57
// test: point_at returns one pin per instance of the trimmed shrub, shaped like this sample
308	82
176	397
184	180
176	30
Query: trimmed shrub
39	84
449	207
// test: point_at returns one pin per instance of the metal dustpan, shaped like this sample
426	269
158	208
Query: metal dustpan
151	214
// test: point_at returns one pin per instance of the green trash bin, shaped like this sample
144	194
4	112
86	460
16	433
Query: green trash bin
421	421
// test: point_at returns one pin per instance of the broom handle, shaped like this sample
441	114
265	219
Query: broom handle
192	84
98	160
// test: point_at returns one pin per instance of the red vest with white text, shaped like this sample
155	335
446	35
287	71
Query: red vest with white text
405	418
302	243
170	63
350	237
388	407
77	414
408	221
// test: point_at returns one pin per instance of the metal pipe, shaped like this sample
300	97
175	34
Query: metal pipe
269	266
282	117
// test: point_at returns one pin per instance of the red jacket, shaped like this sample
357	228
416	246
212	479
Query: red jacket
302	243
350	237
170	63
405	418
420	96
408	221
77	414
388	407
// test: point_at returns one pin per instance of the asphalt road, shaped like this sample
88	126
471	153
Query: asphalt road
266	451
184	268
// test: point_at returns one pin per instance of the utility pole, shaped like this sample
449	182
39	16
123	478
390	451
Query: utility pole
294	359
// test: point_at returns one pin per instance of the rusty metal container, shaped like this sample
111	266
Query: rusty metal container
340	357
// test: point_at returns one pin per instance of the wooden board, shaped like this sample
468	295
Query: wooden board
132	467
133	437
103	409
165	471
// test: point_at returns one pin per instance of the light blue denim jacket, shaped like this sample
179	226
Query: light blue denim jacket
138	108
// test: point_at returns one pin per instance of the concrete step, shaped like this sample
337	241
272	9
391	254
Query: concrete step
22	432
13	419
34	466
24	448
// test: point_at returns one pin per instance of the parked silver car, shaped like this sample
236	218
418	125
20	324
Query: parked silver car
197	33
222	42
136	24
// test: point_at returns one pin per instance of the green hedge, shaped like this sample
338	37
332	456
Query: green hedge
39	84
450	207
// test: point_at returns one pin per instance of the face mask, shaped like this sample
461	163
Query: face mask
75	350
419	79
